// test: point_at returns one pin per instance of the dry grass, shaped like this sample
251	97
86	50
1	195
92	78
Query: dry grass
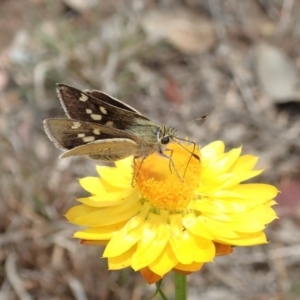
112	46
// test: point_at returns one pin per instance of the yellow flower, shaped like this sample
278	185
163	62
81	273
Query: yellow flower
174	217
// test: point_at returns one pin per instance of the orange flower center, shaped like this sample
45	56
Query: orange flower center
168	185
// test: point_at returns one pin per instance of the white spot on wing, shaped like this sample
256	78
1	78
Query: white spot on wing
88	111
96	117
80	135
96	131
83	98
76	125
103	110
88	139
109	123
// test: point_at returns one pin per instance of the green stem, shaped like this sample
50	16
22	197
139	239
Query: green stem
159	291
163	296
180	287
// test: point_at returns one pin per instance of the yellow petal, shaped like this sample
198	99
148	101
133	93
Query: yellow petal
220	207
125	166
129	235
245	163
256	190
226	161
99	233
217	228
120	242
192	224
116	179
165	262
176	225
77	211
193	267
155	236
246	239
189	249
96	185
224	181
213	149
111	199
122	261
104	216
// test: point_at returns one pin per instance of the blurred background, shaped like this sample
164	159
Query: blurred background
236	61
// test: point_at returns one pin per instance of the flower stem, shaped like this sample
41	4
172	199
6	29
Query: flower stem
180	286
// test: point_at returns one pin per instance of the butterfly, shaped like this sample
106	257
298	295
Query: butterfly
105	128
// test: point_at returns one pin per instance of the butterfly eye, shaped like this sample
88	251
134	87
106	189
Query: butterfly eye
165	140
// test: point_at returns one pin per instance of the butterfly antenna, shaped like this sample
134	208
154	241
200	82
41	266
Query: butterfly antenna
195	119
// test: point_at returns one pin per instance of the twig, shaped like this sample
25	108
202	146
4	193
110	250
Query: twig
77	288
14	279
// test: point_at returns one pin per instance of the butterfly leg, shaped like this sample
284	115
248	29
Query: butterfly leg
191	152
133	175
171	162
137	173
192	155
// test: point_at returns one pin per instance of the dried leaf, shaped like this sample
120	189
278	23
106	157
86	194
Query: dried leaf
188	32
81	6
277	74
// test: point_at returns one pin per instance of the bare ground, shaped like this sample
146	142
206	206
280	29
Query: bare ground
236	61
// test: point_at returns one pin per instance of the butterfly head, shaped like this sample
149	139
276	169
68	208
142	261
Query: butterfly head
166	134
